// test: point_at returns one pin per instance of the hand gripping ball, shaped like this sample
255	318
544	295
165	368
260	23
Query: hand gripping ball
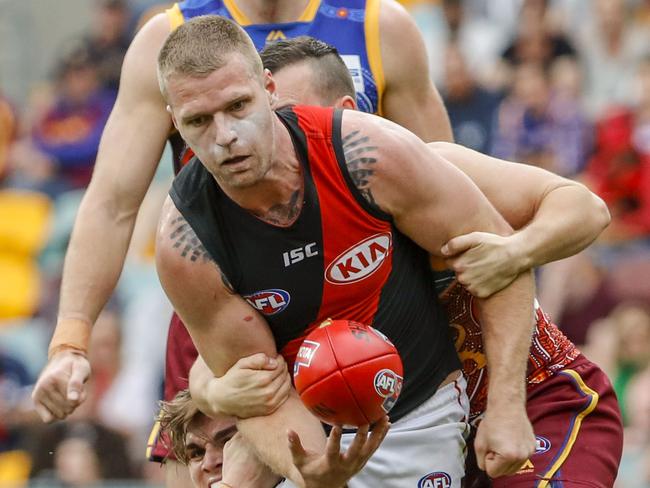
348	373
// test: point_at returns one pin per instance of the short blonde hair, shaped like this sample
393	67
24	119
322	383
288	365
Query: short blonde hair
201	45
175	418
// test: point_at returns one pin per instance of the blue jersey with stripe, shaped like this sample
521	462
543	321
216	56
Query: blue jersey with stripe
349	25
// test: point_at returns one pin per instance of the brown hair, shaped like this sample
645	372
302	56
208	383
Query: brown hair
175	418
201	45
332	77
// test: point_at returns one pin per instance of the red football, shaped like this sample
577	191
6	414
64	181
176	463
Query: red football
348	373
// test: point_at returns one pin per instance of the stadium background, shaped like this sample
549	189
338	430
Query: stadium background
563	84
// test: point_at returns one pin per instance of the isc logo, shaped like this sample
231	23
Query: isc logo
359	261
269	302
435	480
305	355
298	254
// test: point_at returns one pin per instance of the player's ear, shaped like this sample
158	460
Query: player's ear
347	102
171	113
269	86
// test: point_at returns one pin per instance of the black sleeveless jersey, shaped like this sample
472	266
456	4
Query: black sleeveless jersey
340	259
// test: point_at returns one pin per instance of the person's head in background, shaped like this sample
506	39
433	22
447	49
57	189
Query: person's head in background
111	21
309	72
195	439
76	74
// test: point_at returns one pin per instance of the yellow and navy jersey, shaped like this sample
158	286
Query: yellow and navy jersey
352	26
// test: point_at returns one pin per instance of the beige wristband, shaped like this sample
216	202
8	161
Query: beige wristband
70	334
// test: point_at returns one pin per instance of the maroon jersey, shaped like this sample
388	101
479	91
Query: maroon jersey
550	350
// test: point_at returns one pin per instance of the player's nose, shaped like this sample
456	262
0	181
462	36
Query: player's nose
212	460
225	133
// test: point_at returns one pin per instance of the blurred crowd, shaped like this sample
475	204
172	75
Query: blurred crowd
562	84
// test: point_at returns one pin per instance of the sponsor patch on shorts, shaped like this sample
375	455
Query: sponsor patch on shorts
437	479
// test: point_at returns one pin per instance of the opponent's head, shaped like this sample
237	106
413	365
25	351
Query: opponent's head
308	71
219	97
196	440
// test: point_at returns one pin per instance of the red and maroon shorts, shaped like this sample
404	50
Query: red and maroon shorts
179	358
577	423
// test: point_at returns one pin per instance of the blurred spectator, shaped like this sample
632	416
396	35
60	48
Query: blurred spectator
59	153
536	41
79	453
472	109
537	126
445	22
619	171
7	133
109	39
620	344
14	399
611	47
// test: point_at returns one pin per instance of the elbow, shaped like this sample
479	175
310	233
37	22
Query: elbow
603	215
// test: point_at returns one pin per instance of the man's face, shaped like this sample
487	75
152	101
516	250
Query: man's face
204	444
227	120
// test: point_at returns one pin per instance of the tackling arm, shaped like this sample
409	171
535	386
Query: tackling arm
432	202
555	218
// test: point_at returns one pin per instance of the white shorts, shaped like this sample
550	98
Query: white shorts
424	449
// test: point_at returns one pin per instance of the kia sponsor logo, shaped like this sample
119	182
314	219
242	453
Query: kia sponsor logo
269	302
305	354
438	479
359	261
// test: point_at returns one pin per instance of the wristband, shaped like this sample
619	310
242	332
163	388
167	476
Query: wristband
70	334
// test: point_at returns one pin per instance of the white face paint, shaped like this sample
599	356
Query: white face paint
226	119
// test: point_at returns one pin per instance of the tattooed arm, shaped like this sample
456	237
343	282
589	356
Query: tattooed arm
225	328
431	201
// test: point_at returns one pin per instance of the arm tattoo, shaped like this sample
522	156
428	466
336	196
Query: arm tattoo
189	245
187	242
356	149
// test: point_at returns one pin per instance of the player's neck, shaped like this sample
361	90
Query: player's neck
272	11
277	198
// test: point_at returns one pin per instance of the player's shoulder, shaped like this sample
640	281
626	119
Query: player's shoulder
153	32
393	19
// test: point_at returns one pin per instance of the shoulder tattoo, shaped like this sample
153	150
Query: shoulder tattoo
359	158
187	242
190	246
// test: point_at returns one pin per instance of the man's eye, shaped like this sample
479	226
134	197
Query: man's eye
197	121
238	105
195	454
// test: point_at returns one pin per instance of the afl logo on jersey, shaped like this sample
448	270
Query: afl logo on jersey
438	479
269	302
359	261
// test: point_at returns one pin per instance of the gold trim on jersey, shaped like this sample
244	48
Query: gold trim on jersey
546	477
236	13
151	442
240	17
310	11
175	15
373	49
